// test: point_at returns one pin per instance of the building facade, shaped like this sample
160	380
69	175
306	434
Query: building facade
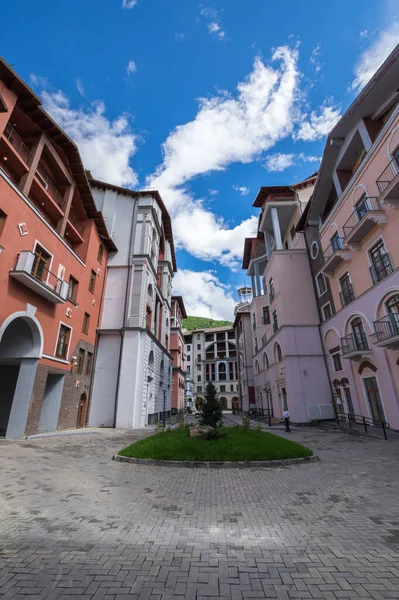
54	247
178	313
133	370
245	350
211	355
288	363
351	229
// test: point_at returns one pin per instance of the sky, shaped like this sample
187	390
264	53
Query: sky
205	102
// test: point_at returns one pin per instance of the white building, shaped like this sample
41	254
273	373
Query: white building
133	369
211	355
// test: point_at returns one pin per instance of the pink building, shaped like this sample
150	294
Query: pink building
352	231
244	340
287	357
176	348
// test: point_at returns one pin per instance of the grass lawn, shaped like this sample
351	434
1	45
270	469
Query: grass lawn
238	444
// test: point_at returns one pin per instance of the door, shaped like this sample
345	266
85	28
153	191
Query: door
285	401
223	403
374	399
359	334
338	398
82	409
349	403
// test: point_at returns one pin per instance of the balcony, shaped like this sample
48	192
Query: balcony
366	215
355	346
347	295
388	183
31	272
74	229
17	144
47	198
334	255
381	268
387	332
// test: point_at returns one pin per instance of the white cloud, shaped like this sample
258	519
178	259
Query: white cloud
315	58
364	33
213	192
226	129
279	162
129	3
372	58
244	191
318	124
204	295
80	87
179	37
131	67
106	146
213	23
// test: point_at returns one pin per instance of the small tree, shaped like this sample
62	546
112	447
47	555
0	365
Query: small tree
211	413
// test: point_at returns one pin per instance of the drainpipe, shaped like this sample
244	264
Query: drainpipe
128	282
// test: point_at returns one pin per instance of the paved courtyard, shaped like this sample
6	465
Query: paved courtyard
75	524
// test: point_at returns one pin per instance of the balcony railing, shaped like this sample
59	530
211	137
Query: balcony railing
354	342
362	210
31	270
50	188
347	295
272	295
386	328
381	268
388	174
12	136
336	244
76	223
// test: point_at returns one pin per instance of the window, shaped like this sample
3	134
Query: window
61	350
86	323
256	345
92	281
198	346
254	321
3	218
222	388
188	358
314	250
148	318
337	364
198	356
188	368
279	355
321	284
359	335
89	363
41	263
188	348
275	321
231	388
271	290
335	240
346	294
292	232
81	359
198	377
231	335
100	254
209	337
362	207
72	289
326	311
198	367
381	265
286	245
265	315
199	388
222	372
198	336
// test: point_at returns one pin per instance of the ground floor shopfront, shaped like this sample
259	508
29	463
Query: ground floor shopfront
39	394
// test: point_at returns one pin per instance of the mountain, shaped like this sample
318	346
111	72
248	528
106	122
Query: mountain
192	323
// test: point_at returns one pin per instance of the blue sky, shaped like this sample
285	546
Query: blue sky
205	101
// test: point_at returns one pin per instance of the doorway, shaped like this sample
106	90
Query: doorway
51	402
374	399
223	403
284	396
82	410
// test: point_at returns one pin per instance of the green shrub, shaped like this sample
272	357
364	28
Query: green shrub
211	413
159	428
258	426
213	434
246	422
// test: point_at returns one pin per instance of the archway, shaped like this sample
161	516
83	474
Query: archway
21	345
223	403
82	411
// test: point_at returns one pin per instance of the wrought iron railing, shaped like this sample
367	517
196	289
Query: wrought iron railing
347	295
364	207
381	268
40	272
388	174
50	188
16	142
350	419
75	222
336	244
386	327
354	342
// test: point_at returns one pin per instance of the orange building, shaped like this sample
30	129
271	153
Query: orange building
54	247
178	313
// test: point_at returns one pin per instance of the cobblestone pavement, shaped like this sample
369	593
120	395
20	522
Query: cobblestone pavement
73	523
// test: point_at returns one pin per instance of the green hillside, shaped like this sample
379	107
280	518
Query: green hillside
192	323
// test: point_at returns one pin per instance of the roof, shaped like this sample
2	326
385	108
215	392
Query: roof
179	300
281	189
246	259
166	220
240	313
30	103
383	84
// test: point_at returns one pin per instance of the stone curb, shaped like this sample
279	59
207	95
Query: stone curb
192	464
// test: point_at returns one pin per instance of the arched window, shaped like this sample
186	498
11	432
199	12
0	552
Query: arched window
279	355
359	335
100	253
257	370
149	290
265	361
161	373
392	307
222	372
151	361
